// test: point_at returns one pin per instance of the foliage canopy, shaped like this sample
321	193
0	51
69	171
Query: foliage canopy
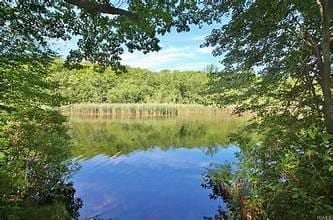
103	28
280	38
288	173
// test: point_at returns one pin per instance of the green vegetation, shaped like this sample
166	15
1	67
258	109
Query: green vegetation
288	174
123	136
91	84
290	165
34	141
140	109
34	146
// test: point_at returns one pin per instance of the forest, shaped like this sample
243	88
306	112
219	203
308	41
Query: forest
93	84
277	71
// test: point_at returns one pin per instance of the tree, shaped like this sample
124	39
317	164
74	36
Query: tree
285	169
34	144
290	38
94	84
104	28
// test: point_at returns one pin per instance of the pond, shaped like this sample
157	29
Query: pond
149	168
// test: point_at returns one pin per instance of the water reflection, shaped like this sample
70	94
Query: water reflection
110	137
149	169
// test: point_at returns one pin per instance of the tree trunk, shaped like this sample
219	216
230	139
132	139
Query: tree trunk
325	72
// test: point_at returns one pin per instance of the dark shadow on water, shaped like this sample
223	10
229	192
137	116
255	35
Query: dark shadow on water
60	203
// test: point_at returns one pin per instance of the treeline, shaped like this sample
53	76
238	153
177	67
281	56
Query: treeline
91	84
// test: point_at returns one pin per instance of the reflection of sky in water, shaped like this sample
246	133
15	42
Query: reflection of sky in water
151	184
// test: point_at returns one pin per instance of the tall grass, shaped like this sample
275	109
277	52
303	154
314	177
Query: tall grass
138	109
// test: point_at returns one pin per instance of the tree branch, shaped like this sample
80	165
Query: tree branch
315	50
92	7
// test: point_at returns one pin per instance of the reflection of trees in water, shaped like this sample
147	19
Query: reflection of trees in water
183	131
64	193
233	191
218	180
35	167
212	150
55	201
47	196
220	215
92	137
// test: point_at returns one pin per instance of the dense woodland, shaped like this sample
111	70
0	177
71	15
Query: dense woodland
285	174
93	84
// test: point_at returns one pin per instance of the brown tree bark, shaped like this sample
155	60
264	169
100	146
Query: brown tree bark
325	72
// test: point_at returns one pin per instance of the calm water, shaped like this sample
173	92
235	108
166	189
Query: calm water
149	168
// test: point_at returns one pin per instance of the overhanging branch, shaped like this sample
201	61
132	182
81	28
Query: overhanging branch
92	7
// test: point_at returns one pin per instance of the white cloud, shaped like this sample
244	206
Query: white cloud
190	66
156	59
205	50
198	38
181	58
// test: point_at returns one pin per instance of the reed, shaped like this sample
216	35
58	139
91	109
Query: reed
138	109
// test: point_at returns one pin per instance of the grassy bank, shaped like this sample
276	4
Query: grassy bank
139	109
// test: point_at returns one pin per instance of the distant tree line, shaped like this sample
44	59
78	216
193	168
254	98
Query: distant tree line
91	84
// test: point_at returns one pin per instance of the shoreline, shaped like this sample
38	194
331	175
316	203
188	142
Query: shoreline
141	109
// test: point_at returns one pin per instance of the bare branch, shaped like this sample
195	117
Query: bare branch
92	7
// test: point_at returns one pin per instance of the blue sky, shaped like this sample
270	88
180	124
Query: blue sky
180	51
